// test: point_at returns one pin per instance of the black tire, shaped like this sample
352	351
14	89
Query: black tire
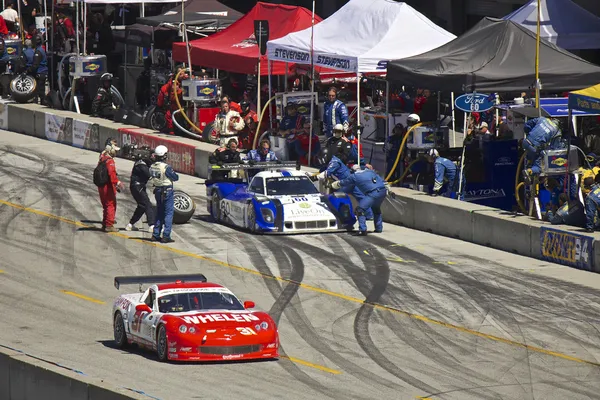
119	331
216	207
156	119
251	217
23	88
206	133
184	207
161	344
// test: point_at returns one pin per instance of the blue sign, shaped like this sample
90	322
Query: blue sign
567	248
474	102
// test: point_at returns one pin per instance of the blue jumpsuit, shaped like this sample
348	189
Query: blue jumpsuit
337	168
566	215
374	190
445	168
334	113
592	203
542	134
165	203
257	156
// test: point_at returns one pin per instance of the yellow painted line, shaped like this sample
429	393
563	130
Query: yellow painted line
398	259
314	289
366	252
311	365
83	297
424	398
1	271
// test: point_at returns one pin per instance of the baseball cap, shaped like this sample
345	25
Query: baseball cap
484	125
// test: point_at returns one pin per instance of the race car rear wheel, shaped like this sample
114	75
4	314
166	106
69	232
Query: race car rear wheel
216	206
119	331
184	207
251	218
161	344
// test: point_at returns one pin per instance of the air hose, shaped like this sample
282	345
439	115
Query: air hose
518	185
262	113
181	109
402	149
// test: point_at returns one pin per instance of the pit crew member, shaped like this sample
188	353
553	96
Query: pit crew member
445	171
103	105
225	155
334	112
108	191
166	99
542	133
163	177
140	174
228	124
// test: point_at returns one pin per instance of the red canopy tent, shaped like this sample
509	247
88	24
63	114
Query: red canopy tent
235	49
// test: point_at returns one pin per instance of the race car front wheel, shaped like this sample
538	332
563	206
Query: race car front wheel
184	207
161	344
216	206
119	331
251	218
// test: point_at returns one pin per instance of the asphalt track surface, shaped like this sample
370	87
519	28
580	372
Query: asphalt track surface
400	315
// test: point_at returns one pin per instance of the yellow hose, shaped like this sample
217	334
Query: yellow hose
181	110
262	113
401	149
518	185
405	172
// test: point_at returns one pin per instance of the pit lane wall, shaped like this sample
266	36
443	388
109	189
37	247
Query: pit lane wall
23	377
470	222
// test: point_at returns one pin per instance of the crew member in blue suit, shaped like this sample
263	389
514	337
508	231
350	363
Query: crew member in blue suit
262	154
445	171
542	133
335	166
592	203
374	190
334	112
163	176
37	65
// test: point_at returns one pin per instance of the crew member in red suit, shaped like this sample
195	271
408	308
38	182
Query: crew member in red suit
301	143
166	99
251	123
108	192
232	104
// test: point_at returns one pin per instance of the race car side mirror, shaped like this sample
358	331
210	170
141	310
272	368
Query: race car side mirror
143	307
249	304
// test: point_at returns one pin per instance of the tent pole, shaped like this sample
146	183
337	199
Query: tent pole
358	133
84	9
77	33
286	78
387	117
453	120
312	83
537	59
258	105
270	91
568	181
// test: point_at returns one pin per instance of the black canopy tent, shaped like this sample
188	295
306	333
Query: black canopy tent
495	55
202	17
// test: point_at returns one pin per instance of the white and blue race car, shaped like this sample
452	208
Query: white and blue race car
278	200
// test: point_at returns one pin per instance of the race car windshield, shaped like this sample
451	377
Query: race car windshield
198	301
290	186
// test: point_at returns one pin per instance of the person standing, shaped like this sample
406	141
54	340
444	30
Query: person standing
163	176
166	99
37	65
107	180
334	112
374	190
228	123
140	174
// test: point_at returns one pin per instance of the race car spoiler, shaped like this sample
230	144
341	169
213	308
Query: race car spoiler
140	280
258	165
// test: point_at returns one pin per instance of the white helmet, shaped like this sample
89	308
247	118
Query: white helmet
433	153
413	119
338	130
161	151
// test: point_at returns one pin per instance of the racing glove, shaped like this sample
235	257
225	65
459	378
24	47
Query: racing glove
252	162
313	178
336	185
322	175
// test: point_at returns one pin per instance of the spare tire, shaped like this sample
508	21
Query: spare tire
207	135
22	88
156	119
184	207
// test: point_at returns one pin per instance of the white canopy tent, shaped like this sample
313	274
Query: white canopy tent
361	37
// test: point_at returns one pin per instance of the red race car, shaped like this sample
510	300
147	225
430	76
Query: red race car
185	318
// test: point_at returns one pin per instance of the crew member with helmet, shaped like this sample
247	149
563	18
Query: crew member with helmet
225	155
140	174
109	188
334	112
541	134
250	124
37	65
103	105
445	171
228	124
163	176
166	98
374	190
333	165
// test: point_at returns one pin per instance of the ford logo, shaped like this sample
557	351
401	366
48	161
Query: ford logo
474	102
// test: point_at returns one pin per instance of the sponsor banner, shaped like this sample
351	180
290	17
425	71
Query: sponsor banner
182	157
332	61
567	248
474	102
4	114
58	128
86	135
481	194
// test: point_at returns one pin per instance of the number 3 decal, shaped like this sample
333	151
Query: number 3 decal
246	331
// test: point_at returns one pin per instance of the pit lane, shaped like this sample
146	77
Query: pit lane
404	314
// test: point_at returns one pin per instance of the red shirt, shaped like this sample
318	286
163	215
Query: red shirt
112	170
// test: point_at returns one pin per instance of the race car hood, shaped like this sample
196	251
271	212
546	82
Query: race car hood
305	208
223	319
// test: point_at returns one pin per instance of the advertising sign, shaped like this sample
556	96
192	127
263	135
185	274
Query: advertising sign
567	248
4	114
58	129
86	135
474	102
182	157
261	33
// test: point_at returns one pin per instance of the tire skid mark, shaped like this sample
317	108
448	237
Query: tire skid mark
376	261
282	299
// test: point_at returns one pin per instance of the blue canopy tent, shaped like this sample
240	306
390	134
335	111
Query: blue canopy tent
562	22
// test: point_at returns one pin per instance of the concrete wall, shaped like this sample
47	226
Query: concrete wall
24	378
